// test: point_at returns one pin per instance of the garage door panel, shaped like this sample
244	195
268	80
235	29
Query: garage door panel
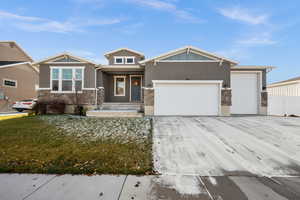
245	88
186	99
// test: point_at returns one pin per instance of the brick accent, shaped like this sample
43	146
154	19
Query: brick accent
87	97
149	97
226	97
264	99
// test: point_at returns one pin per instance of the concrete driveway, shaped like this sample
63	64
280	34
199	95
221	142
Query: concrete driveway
252	157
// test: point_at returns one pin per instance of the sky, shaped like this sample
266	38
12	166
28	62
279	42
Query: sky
256	32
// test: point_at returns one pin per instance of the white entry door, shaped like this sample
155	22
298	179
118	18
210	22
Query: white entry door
245	92
187	97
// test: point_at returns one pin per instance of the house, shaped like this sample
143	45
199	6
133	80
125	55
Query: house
290	87
284	97
18	78
185	81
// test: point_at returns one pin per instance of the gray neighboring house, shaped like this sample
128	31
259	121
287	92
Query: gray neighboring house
18	78
187	81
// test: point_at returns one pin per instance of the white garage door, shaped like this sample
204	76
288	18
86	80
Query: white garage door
245	92
187	97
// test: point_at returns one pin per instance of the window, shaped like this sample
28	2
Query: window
129	60
119	85
9	83
2	97
66	79
55	79
119	60
124	60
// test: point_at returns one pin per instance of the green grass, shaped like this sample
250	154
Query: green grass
29	145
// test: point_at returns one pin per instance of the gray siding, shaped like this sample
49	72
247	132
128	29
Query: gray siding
89	74
108	82
123	53
264	74
187	71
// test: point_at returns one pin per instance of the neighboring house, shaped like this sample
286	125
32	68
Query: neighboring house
186	81
285	97
290	87
18	78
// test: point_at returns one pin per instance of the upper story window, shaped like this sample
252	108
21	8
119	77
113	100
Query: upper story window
124	60
9	83
66	79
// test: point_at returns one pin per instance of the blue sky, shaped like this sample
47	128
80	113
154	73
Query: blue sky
256	32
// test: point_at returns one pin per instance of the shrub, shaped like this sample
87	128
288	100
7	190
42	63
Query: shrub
50	107
80	110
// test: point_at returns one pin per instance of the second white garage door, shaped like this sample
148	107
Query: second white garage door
187	97
245	92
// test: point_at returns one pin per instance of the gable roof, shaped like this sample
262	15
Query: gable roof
121	49
194	50
292	80
65	54
14	44
20	63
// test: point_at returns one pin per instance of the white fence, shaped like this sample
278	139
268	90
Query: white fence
284	105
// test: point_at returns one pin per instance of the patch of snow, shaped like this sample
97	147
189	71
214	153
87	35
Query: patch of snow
121	130
213	180
186	185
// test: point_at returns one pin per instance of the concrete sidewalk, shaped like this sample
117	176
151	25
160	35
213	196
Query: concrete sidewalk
109	187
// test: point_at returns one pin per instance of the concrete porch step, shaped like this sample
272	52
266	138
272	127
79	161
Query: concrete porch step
114	113
121	106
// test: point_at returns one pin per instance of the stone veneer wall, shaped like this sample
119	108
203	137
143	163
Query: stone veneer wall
148	94
264	103
86	98
100	96
226	102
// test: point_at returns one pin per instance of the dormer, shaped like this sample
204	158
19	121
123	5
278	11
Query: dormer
124	56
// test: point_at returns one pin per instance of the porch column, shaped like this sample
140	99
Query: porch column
100	97
148	101
263	110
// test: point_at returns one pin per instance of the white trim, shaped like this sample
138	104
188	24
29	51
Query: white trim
126	49
60	79
260	85
65	54
130	85
20	63
252	67
133	58
283	84
218	82
121	66
118	57
148	88
44	89
188	61
189	48
6	79
115	86
187	81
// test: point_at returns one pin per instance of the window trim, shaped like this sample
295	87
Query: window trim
118	57
124	60
6	79
115	86
60	79
133	58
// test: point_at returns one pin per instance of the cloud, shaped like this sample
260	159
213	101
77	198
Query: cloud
36	24
244	15
261	39
169	7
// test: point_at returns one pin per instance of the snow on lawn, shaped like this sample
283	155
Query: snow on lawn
121	130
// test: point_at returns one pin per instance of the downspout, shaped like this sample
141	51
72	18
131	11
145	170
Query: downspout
96	89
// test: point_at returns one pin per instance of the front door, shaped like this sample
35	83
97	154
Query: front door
136	86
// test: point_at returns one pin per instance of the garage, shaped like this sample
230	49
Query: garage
187	97
245	92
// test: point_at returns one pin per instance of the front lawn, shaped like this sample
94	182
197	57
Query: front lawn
68	144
